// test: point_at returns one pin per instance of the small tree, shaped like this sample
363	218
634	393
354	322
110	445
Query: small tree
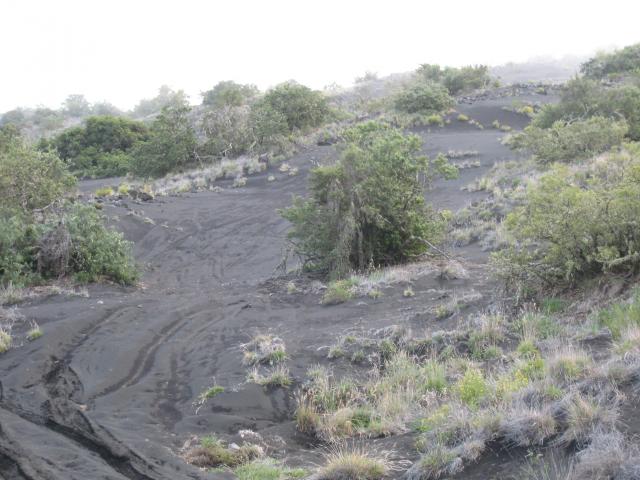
423	98
171	145
301	107
76	106
29	179
619	62
229	94
368	208
575	225
564	142
101	147
166	96
228	131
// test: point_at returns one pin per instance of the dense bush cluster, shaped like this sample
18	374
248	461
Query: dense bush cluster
368	208
432	88
171	144
29	179
99	148
566	141
238	122
229	94
576	224
423	98
41	237
152	106
583	98
622	61
456	80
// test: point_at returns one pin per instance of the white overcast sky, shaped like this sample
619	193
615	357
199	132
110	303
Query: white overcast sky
121	51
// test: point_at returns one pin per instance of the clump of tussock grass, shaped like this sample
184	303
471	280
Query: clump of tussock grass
354	463
441	461
204	178
620	316
473	387
569	364
339	291
609	455
456	154
524	426
34	332
275	377
11	294
551	467
487	331
265	350
306	415
212	453
6	340
629	343
239	182
380	405
585	415
267	469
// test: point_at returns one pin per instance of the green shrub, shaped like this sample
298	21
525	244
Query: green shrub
101	147
17	250
620	316
368	208
423	98
583	98
299	106
171	144
602	65
97	251
574	225
29	179
229	94
456	80
267	469
228	131
563	142
338	292
472	387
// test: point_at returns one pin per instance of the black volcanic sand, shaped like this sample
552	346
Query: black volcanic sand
108	392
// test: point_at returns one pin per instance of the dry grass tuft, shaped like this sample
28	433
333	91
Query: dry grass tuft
354	463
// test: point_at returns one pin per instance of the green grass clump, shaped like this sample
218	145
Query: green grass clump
211	392
123	189
267	469
339	292
434	119
569	365
463	118
551	305
434	374
213	453
527	349
352	465
6	340
472	387
535	325
620	316
34	332
104	192
435	420
277	377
